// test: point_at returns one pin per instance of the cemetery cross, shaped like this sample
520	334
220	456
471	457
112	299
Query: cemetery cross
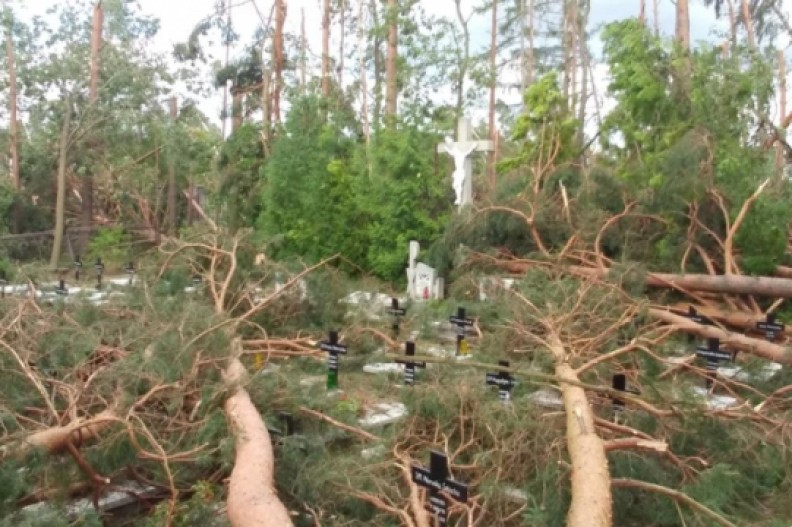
437	480
333	349
410	365
503	380
619	384
99	266
461	322
771	327
397	312
77	267
463	166
3	283
714	356
130	270
61	289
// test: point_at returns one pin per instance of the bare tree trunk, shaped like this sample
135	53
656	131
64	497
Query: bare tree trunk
171	205
278	62
642	13
656	16
683	24
493	55
782	103
227	60
748	21
591	490
60	200
326	50
341	43
364	110
391	82
732	22
379	67
464	60
93	99
531	59
13	127
585	64
237	98
303	54
266	113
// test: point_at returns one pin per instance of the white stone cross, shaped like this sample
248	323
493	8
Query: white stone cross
463	165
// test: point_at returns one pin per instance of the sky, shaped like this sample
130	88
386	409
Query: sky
179	17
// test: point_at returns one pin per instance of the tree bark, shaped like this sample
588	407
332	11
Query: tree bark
748	22
464	60
93	99
780	159
303	54
379	67
341	42
266	112
170	220
326	50
60	200
278	56
364	110
252	499
237	98
682	32
391	82
732	23
13	127
55	439
491	156
227	60
591	488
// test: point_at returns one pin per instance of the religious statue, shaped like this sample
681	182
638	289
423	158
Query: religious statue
459	154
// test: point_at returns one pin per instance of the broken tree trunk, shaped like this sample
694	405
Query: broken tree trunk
591	488
725	284
55	439
735	341
252	500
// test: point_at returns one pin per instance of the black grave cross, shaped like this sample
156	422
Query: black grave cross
397	312
333	349
77	268
410	365
503	380
771	327
100	267
130	270
437	481
714	356
693	315
619	384
3	282
61	288
462	323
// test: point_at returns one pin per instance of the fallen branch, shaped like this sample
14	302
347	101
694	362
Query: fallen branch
675	495
57	438
338	424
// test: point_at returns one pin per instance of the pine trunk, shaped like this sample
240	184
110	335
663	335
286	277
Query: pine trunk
364	110
341	42
303	54
326	50
266	112
278	56
13	127
93	99
391	83
237	111
780	159
379	68
463	64
683	24
60	200
493	55
170	220
748	22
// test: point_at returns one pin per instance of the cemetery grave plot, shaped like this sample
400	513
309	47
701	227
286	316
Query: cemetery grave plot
513	459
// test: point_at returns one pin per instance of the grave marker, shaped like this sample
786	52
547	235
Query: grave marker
461	322
77	268
409	366
333	349
61	289
503	380
3	283
714	356
130	270
693	315
100	267
437	480
619	383
397	312
771	327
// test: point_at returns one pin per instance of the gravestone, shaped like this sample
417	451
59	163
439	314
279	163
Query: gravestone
771	327
333	349
462	178
503	380
422	280
437	480
410	365
462	324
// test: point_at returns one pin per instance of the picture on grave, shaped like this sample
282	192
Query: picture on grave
462	324
409	366
437	480
333	349
503	380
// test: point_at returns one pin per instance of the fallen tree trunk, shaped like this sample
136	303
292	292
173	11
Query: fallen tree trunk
734	341
591	486
252	500
725	284
737	319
